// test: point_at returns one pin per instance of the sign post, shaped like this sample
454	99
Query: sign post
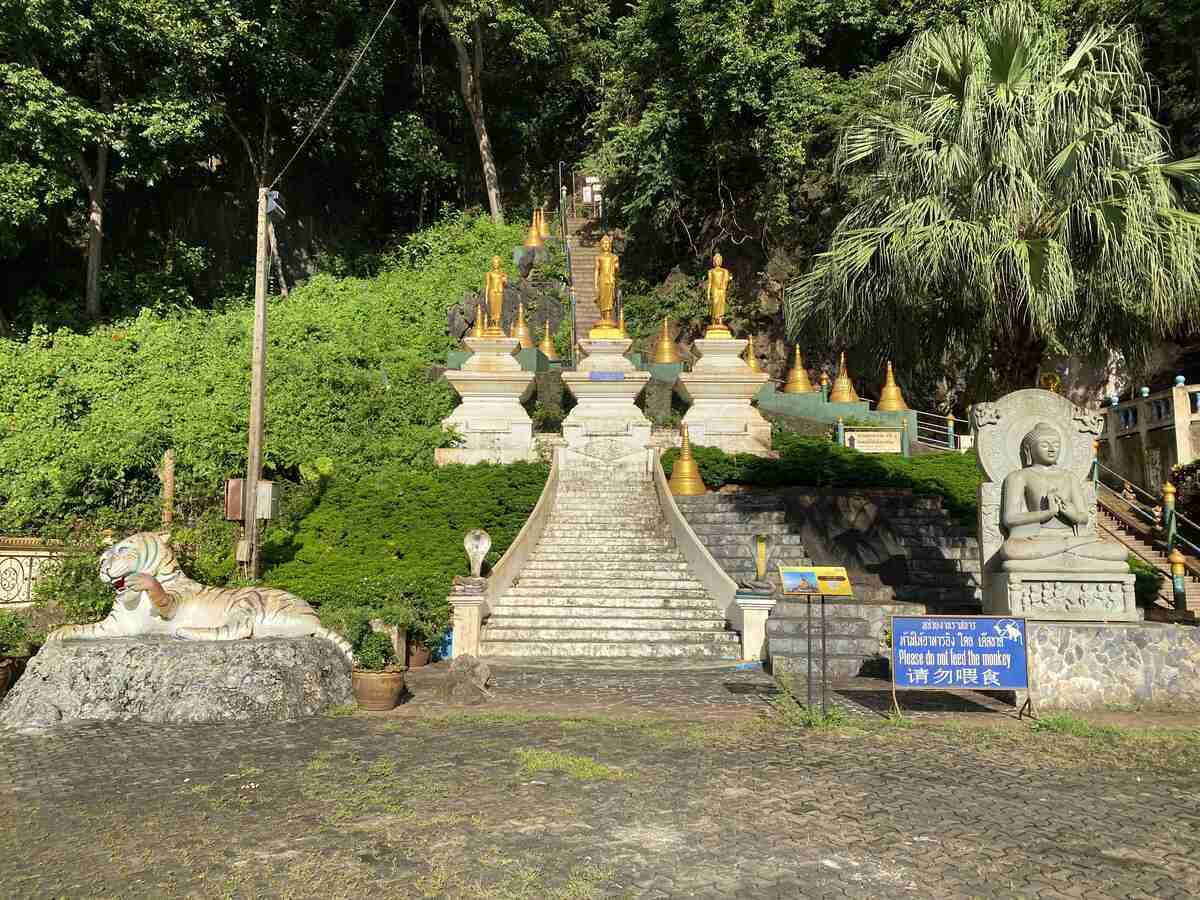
809	582
942	653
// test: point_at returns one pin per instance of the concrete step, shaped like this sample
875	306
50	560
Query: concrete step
623	601
729	517
607	541
798	628
505	631
513	616
627	581
727	648
614	556
645	592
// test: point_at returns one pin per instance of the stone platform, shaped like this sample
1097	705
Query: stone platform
166	680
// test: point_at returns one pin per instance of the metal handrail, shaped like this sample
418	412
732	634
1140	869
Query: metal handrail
562	224
1157	498
1156	517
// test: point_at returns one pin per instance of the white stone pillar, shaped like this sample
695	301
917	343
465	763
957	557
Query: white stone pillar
756	608
720	388
491	419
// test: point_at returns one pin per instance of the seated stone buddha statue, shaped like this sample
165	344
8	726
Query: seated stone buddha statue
1042	511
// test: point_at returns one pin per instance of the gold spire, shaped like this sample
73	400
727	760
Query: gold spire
546	345
480	327
521	330
665	350
543	225
751	356
797	380
621	324
685	476
533	237
890	398
843	388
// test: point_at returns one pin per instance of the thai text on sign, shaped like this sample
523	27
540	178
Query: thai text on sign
873	441
957	652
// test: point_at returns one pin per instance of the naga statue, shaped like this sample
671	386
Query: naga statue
154	597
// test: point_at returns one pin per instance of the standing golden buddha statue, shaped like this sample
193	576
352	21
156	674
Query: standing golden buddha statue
493	288
604	278
717	290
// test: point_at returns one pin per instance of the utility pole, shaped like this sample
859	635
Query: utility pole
258	384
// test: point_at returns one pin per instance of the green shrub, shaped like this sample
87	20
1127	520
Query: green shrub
1148	581
814	462
68	589
387	544
16	638
85	417
374	652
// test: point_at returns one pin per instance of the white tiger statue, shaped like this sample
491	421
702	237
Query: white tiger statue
155	597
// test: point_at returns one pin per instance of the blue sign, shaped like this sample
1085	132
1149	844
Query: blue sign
606	376
959	652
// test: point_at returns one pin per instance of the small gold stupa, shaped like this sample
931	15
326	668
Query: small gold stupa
479	329
798	381
685	476
546	345
543	225
665	350
533	237
751	356
890	397
621	324
521	330
843	388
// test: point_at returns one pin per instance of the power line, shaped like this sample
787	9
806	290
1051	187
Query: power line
332	100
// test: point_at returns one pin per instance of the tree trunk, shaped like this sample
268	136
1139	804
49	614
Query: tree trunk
470	68
5	327
94	182
1018	359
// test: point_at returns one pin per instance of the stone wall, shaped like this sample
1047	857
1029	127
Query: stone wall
1084	666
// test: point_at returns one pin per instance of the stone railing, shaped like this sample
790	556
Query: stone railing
20	560
1147	434
472	603
707	570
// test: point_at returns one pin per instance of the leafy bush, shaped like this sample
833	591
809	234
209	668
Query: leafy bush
16	637
388	543
814	462
374	652
68	590
85	417
1148	581
1186	479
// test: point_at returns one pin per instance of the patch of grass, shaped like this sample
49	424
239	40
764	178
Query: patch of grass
1075	726
791	713
343	709
581	768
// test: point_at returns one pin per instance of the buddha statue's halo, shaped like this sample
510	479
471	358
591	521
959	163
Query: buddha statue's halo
1001	427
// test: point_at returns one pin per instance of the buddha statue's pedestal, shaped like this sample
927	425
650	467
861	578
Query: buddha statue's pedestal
606	434
1062	596
720	388
491	420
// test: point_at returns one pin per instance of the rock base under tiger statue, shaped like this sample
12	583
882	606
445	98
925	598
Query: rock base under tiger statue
162	679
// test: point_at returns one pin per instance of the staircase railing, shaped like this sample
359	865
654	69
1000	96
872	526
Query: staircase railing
1154	518
563	231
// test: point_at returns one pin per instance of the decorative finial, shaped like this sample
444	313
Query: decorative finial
751	356
890	398
533	238
843	388
798	381
665	350
543	225
685	476
547	344
480	327
521	330
621	323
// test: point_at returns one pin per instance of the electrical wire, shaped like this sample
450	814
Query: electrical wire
332	100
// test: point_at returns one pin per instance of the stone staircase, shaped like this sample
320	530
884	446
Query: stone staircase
585	247
1112	527
607	580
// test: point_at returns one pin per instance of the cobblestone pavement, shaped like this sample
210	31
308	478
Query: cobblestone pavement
721	801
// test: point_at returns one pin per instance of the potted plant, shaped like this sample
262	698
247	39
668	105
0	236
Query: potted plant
16	646
378	681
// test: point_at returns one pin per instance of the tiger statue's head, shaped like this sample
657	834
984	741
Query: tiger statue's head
144	553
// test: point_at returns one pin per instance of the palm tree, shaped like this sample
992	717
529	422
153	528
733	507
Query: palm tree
1017	202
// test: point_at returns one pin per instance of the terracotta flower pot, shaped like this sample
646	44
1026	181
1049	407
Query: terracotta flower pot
418	655
377	690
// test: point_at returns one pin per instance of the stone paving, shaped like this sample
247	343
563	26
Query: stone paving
568	785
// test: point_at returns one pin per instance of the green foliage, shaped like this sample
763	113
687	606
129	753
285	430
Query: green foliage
1148	581
682	299
795	714
16	638
67	590
1073	725
1186	479
813	462
374	652
386	544
85	418
535	760
1016	202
